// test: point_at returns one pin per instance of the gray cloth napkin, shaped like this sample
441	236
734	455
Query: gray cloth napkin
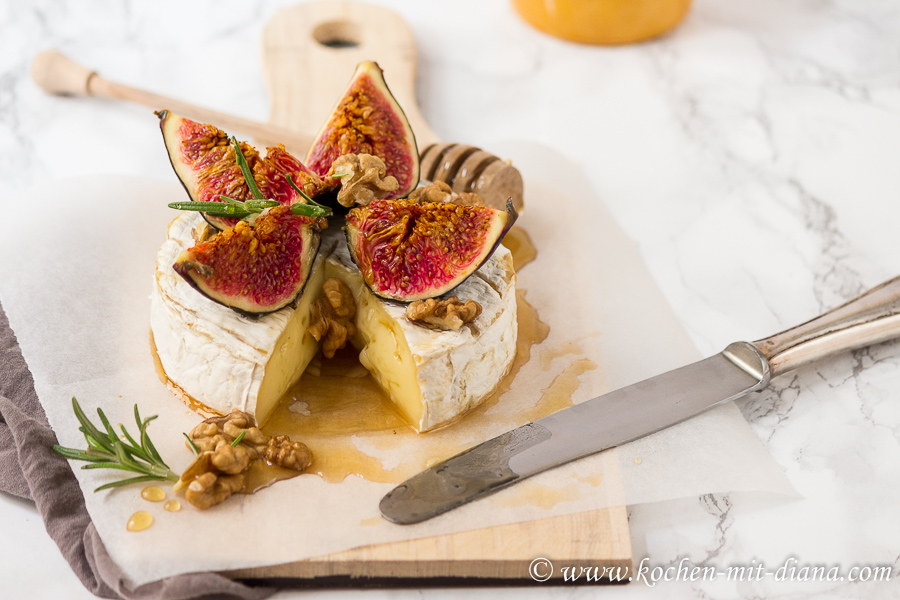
30	469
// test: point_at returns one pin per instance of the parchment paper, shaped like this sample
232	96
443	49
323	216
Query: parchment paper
77	266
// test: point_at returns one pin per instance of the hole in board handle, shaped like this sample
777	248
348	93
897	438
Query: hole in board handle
337	34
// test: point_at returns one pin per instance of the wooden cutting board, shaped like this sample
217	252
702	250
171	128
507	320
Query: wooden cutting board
309	53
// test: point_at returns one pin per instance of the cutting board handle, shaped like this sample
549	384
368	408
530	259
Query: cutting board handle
311	50
868	319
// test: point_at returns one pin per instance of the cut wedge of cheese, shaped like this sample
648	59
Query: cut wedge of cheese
226	360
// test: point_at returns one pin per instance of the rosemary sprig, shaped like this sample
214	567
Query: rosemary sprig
245	169
107	451
229	207
314	208
191	443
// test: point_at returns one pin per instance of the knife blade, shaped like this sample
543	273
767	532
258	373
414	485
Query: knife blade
641	409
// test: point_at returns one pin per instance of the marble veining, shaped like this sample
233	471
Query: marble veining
752	155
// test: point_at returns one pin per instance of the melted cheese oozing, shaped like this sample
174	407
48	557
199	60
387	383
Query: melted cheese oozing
384	351
293	351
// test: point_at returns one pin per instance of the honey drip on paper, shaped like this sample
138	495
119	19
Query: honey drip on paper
152	493
261	475
536	494
593	480
157	364
172	506
560	350
532	493
139	521
559	395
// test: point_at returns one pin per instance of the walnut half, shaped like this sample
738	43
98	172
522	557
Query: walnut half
285	453
364	179
440	191
331	320
447	315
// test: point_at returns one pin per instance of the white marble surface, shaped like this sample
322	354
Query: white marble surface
752	155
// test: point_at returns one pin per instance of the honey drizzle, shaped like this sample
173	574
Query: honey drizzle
519	243
260	475
558	395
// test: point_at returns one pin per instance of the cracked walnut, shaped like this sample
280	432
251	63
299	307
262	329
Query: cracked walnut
364	179
332	317
446	315
440	191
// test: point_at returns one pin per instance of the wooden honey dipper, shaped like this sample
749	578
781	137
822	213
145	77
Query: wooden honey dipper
319	42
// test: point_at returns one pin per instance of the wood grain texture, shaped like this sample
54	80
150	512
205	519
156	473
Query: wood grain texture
596	538
304	78
311	50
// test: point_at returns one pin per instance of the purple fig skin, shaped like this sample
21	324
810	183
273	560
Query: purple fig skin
393	241
256	268
205	162
368	120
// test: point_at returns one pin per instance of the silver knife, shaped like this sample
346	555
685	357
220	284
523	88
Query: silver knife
643	408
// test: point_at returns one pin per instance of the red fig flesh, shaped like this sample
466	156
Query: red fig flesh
254	267
206	163
407	251
368	120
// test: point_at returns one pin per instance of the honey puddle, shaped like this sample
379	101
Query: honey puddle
261	475
336	412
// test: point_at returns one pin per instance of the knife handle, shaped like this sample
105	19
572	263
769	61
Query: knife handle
868	319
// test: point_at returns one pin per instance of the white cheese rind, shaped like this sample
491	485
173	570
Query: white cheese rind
220	357
215	355
455	370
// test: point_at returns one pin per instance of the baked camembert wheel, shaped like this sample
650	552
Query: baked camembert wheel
227	360
252	284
